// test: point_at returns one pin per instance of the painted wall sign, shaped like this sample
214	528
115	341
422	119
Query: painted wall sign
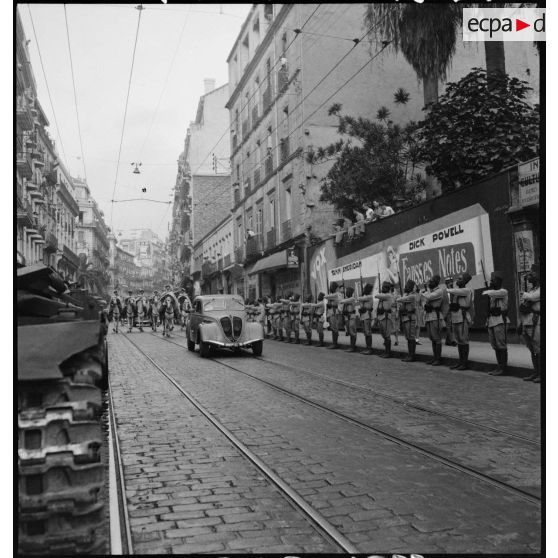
528	175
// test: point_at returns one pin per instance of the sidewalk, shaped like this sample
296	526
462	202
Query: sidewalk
481	354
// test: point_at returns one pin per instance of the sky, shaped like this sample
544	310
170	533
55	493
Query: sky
178	46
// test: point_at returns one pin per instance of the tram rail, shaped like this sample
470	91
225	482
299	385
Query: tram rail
470	471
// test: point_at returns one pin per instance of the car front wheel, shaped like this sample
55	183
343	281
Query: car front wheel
257	348
205	349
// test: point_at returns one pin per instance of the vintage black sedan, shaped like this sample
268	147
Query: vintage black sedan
220	321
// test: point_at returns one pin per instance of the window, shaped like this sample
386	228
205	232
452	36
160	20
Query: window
284	43
259	218
271	219
268	71
288	202
81	236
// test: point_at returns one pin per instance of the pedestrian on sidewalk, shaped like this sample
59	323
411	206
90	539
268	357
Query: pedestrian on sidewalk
434	304
319	314
349	314
384	316
334	317
294	318
497	321
461	316
366	306
530	314
408	304
306	317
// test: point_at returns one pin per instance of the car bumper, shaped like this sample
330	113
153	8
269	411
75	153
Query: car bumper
234	344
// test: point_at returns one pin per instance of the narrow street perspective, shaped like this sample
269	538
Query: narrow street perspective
279	272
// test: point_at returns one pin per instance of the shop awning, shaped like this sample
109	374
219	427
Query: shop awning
274	261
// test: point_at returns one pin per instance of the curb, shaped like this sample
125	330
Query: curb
477	366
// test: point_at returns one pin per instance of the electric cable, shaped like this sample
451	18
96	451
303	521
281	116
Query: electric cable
140	9
75	94
46	83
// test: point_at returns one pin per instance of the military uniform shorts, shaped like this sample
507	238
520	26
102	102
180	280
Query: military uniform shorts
497	337
434	330
386	327
307	325
532	338
461	332
367	326
320	327
410	329
335	322
351	324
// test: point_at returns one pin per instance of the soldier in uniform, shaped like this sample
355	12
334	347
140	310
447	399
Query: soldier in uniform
461	316
435	304
319	315
334	317
286	318
408	305
142	307
267	316
115	309
163	309
366	306
350	316
530	314
278	319
154	310
130	305
306	309
384	316
497	321
294	315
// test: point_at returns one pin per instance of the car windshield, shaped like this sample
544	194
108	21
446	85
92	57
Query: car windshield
223	304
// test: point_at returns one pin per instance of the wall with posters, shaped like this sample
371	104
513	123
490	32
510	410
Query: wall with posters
466	230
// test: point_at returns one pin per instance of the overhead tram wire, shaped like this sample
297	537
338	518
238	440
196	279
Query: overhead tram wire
75	94
186	20
140	9
46	83
251	168
256	90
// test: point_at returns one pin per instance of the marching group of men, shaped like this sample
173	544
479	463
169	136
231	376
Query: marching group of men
436	306
157	309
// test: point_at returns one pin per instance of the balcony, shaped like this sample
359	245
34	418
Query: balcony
286	230
254	245
227	260
51	242
71	256
24	116
284	149
282	79
245	128
239	254
268	166
255	115
25	215
271	239
208	268
220	264
25	165
257	177
266	97
19	188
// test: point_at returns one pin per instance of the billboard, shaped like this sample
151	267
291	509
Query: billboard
455	243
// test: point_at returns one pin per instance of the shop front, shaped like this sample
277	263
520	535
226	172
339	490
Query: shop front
278	274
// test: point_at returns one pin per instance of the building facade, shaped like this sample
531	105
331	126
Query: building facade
202	189
283	78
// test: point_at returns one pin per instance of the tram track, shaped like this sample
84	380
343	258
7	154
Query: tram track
470	471
314	517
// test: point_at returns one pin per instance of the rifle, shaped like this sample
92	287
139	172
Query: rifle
327	278
361	285
379	280
343	281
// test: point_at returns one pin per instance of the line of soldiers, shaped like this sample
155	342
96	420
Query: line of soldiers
436	305
153	309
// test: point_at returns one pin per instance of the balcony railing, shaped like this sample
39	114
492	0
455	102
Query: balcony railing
25	164
286	231
257	177
266	97
254	245
239	254
284	149
24	116
268	166
245	127
271	238
282	79
25	215
71	256
255	115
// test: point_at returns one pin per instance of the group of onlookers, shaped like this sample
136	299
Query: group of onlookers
353	225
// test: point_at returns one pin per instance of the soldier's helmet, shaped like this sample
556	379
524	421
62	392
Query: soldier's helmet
349	292
321	296
410	286
367	289
333	286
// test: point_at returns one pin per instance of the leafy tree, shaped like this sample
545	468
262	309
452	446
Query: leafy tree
375	160
473	131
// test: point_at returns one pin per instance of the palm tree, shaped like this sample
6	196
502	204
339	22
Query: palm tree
425	34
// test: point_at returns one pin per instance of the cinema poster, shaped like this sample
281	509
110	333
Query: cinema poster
453	244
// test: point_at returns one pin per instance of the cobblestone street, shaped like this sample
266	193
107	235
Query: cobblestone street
470	452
